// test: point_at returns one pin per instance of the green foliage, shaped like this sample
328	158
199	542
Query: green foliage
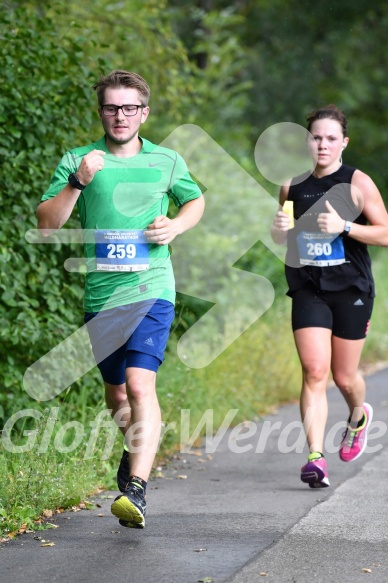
222	81
376	345
44	84
285	59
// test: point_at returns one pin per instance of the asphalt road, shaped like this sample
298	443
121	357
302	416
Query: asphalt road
233	516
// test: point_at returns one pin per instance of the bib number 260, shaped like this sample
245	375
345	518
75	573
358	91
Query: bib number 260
320	249
317	249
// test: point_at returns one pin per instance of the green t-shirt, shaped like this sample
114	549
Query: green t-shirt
120	202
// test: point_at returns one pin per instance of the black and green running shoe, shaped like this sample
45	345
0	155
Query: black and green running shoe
123	472
130	507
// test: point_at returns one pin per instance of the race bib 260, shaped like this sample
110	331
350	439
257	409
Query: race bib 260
320	249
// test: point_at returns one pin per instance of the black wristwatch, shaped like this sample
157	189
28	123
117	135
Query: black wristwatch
74	182
347	228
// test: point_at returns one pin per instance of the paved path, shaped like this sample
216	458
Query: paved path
236	518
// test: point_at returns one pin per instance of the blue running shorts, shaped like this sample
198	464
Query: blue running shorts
134	335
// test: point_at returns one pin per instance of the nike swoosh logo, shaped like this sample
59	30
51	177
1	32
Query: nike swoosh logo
155	164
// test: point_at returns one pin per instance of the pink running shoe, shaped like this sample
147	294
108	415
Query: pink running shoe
354	440
314	473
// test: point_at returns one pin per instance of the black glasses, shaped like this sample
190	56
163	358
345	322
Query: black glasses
128	110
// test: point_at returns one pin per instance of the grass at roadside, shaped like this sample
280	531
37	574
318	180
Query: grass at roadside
253	375
33	483
376	345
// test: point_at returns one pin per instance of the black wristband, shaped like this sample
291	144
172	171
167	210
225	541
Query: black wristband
74	182
347	228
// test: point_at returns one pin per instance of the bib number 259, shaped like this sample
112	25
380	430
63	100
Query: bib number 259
121	251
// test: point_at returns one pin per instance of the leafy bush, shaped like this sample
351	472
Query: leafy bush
45	94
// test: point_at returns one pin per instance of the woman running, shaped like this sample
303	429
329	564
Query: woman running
338	211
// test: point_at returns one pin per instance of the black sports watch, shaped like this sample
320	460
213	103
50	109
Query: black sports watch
347	228
74	182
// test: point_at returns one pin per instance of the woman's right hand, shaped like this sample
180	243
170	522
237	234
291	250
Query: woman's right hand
280	227
281	221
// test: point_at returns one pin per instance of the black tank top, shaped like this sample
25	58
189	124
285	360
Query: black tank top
347	262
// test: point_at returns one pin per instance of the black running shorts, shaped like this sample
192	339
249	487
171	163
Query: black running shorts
347	313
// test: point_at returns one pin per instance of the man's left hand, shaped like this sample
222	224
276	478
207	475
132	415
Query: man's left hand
161	231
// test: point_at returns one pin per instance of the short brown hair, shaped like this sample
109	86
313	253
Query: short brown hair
119	78
328	112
